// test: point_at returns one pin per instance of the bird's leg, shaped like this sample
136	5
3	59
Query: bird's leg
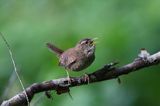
68	77
86	78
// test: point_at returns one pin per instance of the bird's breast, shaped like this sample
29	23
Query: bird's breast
75	61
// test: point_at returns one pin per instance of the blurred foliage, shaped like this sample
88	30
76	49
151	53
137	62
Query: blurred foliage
122	26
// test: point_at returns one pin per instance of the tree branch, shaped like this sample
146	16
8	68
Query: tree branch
107	72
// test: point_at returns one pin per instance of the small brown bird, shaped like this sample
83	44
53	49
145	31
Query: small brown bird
77	58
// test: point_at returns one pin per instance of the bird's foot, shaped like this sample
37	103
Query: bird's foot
69	80
86	78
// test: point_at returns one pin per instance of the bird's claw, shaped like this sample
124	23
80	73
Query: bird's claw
86	78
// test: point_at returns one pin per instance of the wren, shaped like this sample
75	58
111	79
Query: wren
77	58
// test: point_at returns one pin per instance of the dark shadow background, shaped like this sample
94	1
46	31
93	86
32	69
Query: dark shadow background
122	26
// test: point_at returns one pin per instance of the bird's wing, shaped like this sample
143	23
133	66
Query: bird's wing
54	49
67	59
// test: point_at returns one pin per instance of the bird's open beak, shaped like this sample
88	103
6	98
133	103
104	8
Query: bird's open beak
94	41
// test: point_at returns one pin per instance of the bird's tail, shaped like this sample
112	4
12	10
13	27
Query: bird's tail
54	49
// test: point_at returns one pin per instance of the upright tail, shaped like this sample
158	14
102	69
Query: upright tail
54	49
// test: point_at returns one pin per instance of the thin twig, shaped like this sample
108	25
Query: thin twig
14	65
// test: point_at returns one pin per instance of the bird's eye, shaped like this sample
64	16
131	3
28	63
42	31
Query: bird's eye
86	42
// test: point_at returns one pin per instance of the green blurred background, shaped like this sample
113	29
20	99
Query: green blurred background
122	26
